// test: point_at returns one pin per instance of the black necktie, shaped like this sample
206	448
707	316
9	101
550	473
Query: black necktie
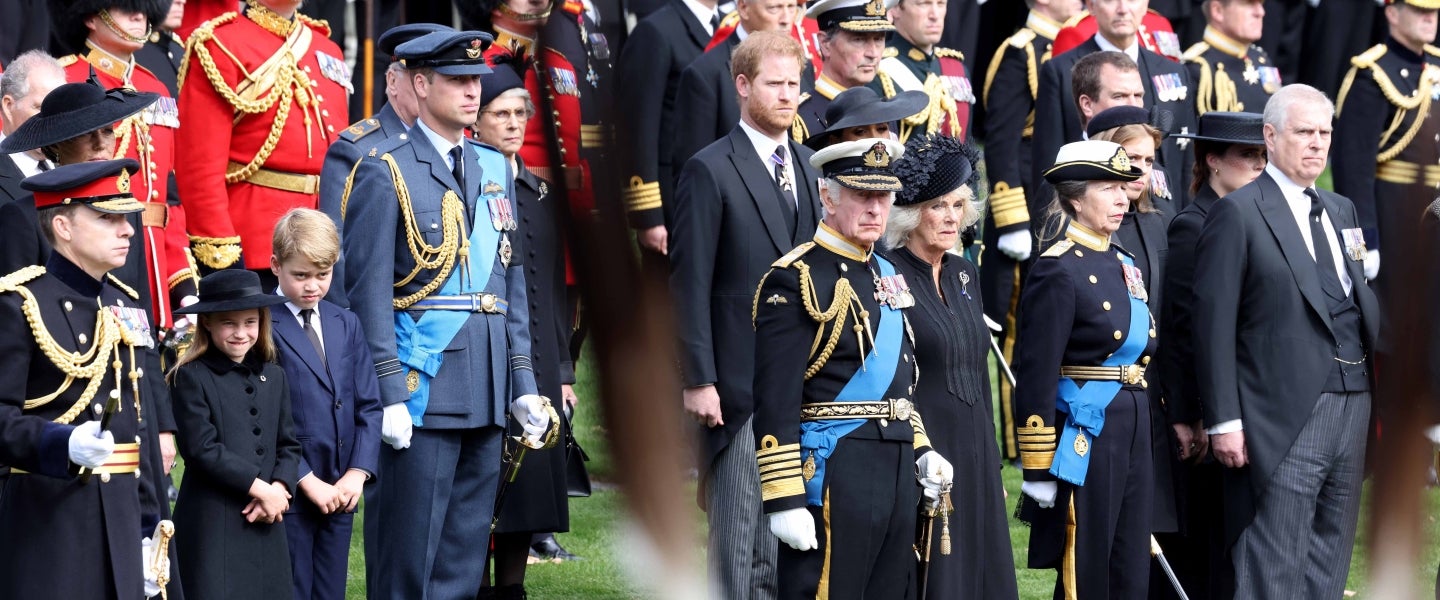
787	190
305	315
1324	260
714	22
457	167
43	165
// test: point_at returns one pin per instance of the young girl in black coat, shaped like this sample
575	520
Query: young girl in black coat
232	412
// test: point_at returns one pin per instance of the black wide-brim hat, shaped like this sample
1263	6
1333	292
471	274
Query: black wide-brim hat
231	289
1092	160
73	110
1229	128
863	106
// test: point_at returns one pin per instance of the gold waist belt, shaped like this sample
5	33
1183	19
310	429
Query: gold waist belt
895	409
280	180
126	459
1128	374
1408	173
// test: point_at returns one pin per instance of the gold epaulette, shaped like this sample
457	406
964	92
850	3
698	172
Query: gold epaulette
803	97
642	195
793	255
780	470
1037	443
1021	38
1367	58
319	25
1075	20
1195	51
20	277
1432	50
799	131
1007	205
890	52
360	129
67	60
120	285
949	53
1393	140
216	252
1058	248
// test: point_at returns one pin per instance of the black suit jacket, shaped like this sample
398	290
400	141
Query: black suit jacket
1176	356
1263	343
10	178
706	107
1058	122
647	80
728	229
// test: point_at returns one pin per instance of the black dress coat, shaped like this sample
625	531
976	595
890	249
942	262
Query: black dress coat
10	178
953	392
538	499
235	427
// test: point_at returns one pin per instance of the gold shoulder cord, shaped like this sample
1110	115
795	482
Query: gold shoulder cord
454	244
88	365
838	312
1418	103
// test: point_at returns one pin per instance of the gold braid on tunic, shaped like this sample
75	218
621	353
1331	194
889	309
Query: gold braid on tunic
1419	102
843	305
454	244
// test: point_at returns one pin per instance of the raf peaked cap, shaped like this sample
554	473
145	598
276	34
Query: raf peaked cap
859	106
231	289
101	185
447	52
1230	128
1092	160
934	166
73	110
851	15
395	36
861	164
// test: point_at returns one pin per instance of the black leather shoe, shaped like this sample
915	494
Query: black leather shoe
549	548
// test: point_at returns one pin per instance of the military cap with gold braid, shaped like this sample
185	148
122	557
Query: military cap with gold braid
101	185
1420	4
861	164
1092	160
851	15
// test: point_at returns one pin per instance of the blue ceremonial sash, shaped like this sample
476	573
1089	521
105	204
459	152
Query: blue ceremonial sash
421	344
1085	406
818	438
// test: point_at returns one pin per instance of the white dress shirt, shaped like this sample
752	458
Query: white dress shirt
703	13
765	147
314	321
442	145
1133	51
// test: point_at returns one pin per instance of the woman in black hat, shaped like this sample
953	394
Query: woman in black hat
859	113
1229	153
1081	353
951	349
232	407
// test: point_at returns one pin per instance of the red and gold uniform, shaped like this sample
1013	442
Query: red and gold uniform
1155	33
149	139
263	96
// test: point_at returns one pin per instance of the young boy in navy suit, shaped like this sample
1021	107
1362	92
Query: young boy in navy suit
335	401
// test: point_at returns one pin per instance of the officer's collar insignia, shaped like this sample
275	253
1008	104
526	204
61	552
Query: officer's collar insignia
1121	161
492	188
475	49
875	8
122	182
878	157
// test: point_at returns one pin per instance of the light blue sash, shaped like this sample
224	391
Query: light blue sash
421	345
1085	406
818	438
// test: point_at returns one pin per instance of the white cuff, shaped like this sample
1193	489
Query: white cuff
1231	426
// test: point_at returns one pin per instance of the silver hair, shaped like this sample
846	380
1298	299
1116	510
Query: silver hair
518	92
15	83
1278	108
905	219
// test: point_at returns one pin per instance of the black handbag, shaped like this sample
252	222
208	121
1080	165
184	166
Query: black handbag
577	477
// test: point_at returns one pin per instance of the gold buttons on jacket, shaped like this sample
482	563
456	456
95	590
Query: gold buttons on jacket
1079	253
1105	305
1117	334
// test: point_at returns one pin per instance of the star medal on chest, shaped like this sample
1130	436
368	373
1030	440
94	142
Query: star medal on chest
964	283
1135	282
1251	74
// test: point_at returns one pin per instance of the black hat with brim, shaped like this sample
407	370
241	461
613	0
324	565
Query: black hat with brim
231	289
1229	128
861	164
454	53
934	166
861	105
1092	160
73	110
1116	116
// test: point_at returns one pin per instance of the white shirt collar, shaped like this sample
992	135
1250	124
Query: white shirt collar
740	31
1133	51
1299	205
765	147
703	13
441	144
26	163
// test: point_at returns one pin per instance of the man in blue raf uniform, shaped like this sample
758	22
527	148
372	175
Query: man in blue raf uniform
836	431
1231	71
76	515
447	323
396	117
1387	141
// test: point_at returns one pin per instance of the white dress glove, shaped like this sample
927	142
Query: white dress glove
1015	244
86	449
795	527
147	556
1372	264
529	410
934	474
1042	491
1432	433
396	426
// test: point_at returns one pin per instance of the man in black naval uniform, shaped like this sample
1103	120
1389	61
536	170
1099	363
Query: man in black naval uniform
914	61
852	40
1231	71
1387	139
396	117
1011	82
77	513
837	435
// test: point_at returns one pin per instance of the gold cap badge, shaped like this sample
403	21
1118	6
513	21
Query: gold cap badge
1121	161
879	157
474	50
122	181
875	8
